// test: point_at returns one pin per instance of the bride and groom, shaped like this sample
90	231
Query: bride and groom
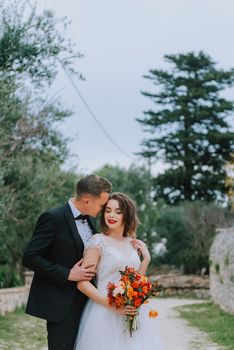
67	256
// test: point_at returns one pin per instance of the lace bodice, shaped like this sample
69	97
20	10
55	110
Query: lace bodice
115	256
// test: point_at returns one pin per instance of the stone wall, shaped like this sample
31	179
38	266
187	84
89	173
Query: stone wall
175	284
222	269
172	283
11	298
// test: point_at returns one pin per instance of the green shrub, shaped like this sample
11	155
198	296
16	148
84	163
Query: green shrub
190	229
9	278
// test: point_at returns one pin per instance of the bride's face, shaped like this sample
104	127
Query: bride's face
113	215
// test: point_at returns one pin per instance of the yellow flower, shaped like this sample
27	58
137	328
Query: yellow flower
144	279
129	292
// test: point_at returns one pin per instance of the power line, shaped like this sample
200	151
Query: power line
95	118
90	110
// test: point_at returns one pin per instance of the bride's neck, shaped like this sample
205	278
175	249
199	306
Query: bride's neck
118	234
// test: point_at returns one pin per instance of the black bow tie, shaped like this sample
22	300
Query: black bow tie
82	217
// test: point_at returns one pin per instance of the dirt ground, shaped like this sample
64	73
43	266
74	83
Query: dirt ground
175	331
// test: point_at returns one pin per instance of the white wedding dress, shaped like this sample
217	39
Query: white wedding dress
103	329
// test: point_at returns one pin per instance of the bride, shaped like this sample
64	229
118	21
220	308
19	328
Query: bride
103	327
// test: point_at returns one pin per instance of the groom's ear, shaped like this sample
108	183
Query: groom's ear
86	199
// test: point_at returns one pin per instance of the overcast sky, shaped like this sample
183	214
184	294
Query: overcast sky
121	40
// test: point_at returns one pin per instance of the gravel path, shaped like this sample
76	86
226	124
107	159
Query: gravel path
176	332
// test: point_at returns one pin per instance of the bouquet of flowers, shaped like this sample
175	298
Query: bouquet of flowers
132	289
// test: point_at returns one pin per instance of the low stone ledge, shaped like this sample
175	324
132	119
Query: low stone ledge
11	298
184	282
174	284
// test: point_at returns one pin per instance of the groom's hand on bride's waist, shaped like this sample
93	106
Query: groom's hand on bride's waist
81	273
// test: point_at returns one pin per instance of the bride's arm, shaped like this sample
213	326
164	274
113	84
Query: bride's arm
91	257
143	267
88	289
139	245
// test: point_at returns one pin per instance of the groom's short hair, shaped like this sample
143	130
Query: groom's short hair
92	184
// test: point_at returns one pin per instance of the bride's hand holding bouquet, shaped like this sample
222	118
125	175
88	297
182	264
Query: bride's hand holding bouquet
132	290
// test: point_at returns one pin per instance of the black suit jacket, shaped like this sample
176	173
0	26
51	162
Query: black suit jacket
52	251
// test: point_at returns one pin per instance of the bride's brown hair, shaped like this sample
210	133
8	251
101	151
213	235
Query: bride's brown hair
128	208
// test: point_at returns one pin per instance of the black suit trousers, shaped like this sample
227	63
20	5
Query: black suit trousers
62	335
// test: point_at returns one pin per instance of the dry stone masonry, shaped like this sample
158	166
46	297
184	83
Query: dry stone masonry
222	269
11	298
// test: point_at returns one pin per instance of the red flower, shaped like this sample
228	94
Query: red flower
138	302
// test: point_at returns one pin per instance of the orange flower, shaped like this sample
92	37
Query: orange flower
119	302
124	279
153	313
129	292
137	302
135	284
145	289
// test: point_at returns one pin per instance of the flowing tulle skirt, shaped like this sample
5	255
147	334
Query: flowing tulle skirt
103	329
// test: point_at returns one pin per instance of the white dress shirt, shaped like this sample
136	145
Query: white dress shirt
82	225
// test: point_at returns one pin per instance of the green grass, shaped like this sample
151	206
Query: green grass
19	331
211	319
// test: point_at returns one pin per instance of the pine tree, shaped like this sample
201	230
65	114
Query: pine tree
189	130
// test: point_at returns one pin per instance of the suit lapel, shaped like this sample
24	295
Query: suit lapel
72	225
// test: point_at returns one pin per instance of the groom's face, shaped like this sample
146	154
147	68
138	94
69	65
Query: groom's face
95	204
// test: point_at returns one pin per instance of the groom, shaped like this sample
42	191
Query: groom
55	254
